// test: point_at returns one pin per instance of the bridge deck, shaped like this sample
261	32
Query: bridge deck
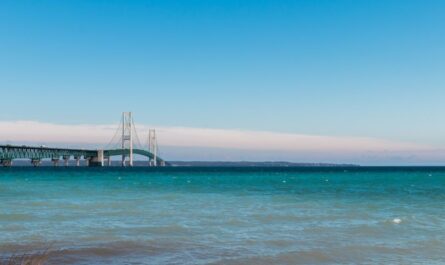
11	152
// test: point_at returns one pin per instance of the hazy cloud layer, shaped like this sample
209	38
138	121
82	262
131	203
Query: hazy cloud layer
218	144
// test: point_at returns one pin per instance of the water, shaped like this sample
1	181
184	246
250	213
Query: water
225	216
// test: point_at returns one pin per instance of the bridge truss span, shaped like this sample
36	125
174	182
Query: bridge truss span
10	152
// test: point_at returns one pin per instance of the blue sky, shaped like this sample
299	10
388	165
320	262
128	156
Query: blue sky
336	68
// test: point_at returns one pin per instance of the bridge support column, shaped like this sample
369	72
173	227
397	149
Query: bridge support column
66	158
109	161
97	161
6	162
35	162
77	158
55	162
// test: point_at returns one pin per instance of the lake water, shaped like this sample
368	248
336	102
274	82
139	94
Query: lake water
225	215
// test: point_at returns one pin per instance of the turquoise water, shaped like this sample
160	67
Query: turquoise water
225	216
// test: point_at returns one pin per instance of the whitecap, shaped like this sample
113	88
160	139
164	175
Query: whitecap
396	220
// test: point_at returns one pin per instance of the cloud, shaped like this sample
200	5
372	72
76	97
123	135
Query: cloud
260	140
31	131
184	142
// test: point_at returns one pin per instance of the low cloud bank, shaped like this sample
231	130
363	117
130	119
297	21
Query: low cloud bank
183	143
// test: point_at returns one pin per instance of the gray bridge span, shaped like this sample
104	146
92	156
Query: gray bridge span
92	157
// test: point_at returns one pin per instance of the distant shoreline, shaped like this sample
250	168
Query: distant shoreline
253	164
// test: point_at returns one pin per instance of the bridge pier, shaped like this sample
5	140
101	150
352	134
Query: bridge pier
6	162
109	161
77	158
66	158
35	162
125	162
55	161
98	160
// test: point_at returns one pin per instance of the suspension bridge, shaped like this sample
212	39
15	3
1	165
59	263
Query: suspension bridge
125	143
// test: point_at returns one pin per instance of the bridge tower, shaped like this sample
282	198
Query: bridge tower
127	137
153	146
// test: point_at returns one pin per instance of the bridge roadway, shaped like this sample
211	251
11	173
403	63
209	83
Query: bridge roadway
93	157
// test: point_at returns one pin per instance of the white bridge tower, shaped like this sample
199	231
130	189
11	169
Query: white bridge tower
127	137
153	147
